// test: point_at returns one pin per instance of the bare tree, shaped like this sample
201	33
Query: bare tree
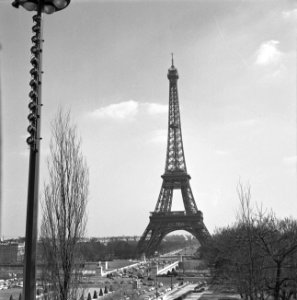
251	260
64	209
257	255
278	244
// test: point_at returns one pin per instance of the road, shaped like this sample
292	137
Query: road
194	296
180	291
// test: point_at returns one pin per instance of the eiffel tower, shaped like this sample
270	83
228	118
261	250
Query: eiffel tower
163	220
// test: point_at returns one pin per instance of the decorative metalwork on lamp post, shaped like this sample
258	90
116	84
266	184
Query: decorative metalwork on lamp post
34	117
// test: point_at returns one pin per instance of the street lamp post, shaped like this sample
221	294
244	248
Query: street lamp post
34	117
156	283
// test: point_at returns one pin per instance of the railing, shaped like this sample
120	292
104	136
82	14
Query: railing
170	213
175	213
167	268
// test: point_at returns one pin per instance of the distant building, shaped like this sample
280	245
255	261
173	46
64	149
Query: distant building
11	252
106	240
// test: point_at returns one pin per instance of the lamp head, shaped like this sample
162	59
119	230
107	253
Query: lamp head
15	4
48	6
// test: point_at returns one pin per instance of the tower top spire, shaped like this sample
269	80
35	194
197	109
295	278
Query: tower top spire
172	71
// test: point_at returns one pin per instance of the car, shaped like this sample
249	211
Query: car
199	290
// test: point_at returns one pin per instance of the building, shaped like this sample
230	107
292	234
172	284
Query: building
12	252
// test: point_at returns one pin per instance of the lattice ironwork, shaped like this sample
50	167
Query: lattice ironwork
163	220
175	158
162	224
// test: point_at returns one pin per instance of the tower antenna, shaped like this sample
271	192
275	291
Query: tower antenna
172	64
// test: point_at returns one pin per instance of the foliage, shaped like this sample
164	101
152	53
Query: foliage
96	251
93	250
257	255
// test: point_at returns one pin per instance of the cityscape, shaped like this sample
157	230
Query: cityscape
84	213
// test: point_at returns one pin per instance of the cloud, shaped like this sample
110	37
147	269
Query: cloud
119	111
268	53
278	73
156	108
290	15
128	110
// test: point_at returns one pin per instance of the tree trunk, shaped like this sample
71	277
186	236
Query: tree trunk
277	281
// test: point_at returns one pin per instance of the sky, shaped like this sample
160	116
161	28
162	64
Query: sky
107	62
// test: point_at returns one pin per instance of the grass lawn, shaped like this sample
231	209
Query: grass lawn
5	294
119	263
216	292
